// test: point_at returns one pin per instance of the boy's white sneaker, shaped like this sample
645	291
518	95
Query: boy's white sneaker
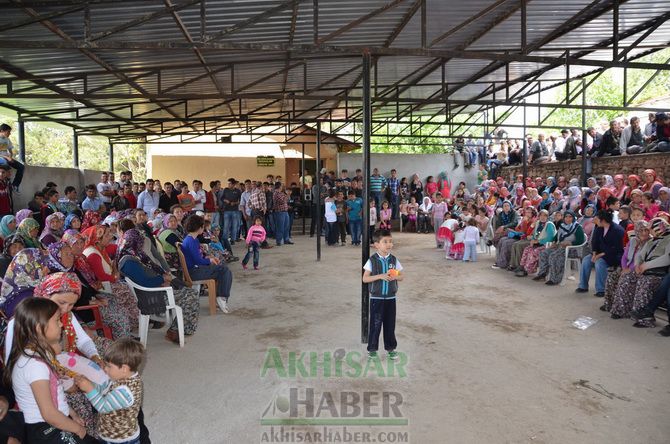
223	305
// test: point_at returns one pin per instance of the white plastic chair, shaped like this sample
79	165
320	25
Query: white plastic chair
169	307
570	261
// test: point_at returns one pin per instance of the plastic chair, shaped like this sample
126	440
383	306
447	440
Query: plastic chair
151	301
570	261
197	285
98	324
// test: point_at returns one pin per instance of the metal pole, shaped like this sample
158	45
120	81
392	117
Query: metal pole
22	141
111	156
583	133
365	251
75	149
525	148
302	188
318	191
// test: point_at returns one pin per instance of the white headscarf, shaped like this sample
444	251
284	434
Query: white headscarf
426	207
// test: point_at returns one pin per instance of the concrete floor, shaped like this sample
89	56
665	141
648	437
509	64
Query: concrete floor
492	358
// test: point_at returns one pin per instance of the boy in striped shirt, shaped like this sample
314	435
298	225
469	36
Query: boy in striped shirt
118	400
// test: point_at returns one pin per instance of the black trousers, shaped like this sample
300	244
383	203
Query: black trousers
382	315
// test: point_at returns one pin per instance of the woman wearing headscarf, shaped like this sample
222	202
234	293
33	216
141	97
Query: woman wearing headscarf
135	265
7	226
121	320
72	222
602	196
519	197
547	201
663	199
91	219
620	286
53	229
416	188
586	221
543	232
97	239
651	265
24	272
607	182
423	217
574	198
505	221
551	184
168	237
524	241
592	183
552	259
634	182
620	188
23	214
59	257
13	244
518	234
557	202
651	183
28	229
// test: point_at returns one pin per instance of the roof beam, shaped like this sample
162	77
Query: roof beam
251	20
14	25
351	25
462	25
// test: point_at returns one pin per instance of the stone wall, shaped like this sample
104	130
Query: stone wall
602	165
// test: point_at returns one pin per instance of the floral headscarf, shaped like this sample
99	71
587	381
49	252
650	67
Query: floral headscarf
132	244
23	274
11	240
4	225
48	230
93	235
82	267
23	214
54	259
69	220
91	219
60	282
24	229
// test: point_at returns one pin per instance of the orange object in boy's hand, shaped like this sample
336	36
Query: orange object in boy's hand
393	272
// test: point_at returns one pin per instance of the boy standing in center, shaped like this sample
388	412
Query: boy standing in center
382	272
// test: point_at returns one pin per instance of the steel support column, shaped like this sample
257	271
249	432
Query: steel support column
525	148
75	149
318	191
111	156
365	255
22	141
583	134
302	188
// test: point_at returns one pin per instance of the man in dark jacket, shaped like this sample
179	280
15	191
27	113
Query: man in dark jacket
609	146
607	246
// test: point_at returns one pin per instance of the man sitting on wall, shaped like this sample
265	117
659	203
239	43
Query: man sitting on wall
7	155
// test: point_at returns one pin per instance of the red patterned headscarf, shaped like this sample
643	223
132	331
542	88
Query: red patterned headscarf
91	219
60	282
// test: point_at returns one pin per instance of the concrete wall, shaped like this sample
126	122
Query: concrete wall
602	165
206	169
407	164
36	177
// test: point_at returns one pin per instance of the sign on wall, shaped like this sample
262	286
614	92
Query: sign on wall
265	161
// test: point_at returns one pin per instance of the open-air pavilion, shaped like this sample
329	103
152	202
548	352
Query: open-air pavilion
144	71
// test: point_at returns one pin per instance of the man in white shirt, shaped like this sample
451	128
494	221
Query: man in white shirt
105	191
148	200
199	196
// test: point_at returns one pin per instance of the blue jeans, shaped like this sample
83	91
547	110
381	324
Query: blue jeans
395	204
252	250
281	227
470	252
220	273
355	229
231	225
377	196
601	274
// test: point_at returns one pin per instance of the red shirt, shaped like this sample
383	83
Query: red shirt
5	200
132	200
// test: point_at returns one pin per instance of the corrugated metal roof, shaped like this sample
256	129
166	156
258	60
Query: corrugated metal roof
205	78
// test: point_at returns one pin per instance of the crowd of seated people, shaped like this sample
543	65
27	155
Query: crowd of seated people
81	252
